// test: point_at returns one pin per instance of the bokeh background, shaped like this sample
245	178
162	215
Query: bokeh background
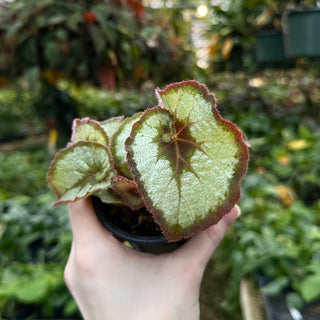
61	59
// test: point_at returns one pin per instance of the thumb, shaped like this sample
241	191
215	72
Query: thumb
201	247
85	225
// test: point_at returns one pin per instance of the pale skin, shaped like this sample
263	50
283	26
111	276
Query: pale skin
110	281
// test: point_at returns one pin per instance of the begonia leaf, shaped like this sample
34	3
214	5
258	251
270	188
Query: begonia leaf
109	196
187	161
118	145
128	190
112	125
80	170
88	130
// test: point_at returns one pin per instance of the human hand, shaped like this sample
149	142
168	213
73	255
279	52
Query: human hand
110	281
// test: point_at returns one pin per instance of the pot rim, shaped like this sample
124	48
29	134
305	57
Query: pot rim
123	235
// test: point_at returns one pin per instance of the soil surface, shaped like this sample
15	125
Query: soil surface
135	222
138	222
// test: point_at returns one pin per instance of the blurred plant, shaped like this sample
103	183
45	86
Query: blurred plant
23	172
274	96
34	246
275	239
26	223
56	108
24	112
34	240
231	38
108	42
100	104
278	234
17	117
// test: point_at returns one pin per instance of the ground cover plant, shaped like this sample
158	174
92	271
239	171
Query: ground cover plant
180	160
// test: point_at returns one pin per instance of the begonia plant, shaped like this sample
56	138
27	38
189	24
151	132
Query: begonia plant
180	160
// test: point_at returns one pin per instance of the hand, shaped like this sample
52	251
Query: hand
110	281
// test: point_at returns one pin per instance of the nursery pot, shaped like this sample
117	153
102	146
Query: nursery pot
269	46
277	308
301	32
110	219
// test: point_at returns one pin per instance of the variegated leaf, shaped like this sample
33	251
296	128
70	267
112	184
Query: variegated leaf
188	162
118	145
109	196
128	191
80	170
111	125
88	130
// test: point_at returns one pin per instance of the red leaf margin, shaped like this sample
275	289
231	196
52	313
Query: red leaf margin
54	161
240	171
132	189
79	121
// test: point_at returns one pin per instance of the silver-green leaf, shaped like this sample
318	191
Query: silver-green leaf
118	145
188	162
80	170
88	130
112	125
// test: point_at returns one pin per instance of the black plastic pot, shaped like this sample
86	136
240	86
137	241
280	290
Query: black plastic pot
152	244
270	51
276	306
301	32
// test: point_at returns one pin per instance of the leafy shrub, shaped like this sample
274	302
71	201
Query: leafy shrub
277	235
17	117
99	104
23	172
109	43
280	242
34	246
34	240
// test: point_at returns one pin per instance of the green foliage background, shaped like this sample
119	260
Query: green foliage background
48	46
278	234
105	42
